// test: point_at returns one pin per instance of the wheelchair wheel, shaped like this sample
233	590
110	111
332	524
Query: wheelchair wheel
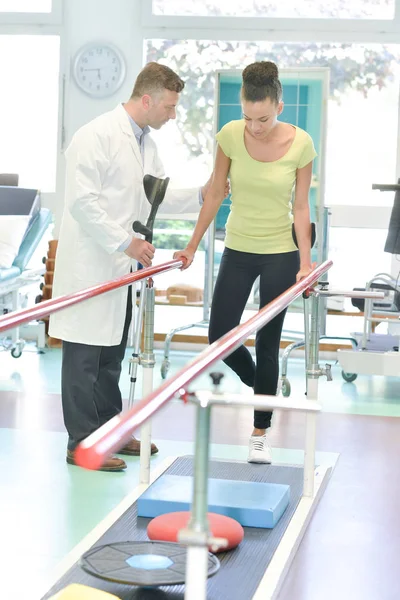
286	389
164	368
349	377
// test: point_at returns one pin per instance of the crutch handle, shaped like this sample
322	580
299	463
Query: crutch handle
138	227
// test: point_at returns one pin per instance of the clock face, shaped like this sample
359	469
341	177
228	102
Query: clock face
99	70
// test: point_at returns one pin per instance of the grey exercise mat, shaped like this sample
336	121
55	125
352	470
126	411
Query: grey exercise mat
241	569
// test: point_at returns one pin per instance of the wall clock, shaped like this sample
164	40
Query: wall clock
99	69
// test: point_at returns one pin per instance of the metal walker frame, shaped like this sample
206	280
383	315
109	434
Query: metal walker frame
284	383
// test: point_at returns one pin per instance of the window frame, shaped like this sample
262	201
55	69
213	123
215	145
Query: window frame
27	18
267	25
365	216
50	199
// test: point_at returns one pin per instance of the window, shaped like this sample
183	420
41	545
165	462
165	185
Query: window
362	121
358	255
171	235
29	71
26	6
308	9
362	110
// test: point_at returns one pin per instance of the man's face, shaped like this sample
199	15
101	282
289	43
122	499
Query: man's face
161	108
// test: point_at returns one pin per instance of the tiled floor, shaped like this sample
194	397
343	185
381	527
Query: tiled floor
350	550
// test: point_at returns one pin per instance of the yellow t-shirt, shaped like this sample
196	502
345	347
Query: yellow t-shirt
260	218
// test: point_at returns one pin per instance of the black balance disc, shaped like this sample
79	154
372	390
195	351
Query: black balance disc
141	563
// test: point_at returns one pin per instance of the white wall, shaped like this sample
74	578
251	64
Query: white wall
115	21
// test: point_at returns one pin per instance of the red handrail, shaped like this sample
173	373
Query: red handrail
47	307
94	450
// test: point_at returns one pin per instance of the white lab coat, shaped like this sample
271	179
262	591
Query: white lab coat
104	196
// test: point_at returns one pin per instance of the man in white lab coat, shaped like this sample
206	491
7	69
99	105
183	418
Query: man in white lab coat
105	165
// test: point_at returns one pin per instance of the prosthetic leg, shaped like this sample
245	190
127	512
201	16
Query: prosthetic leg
155	189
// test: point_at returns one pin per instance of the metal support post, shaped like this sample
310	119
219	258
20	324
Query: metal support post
197	535
135	360
313	373
147	360
306	306
197	552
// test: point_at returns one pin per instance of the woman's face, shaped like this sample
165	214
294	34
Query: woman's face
261	117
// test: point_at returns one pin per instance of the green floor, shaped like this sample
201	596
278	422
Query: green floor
47	507
369	395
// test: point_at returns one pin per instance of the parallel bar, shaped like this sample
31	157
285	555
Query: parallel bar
386	187
48	307
351	294
391	320
256	401
94	450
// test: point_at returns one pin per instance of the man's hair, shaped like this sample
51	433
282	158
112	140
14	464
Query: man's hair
155	78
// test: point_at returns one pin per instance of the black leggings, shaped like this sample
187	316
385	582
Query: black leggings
237	274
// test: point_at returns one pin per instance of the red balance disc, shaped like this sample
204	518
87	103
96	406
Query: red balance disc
165	528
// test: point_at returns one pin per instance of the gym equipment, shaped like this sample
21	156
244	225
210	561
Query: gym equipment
15	201
141	563
306	484
241	569
76	591
378	353
284	382
393	238
196	537
166	528
250	503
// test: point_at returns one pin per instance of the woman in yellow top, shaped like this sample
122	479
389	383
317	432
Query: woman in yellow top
265	159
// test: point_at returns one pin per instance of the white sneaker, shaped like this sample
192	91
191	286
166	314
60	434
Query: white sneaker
259	450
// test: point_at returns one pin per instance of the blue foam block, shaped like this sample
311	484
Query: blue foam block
250	503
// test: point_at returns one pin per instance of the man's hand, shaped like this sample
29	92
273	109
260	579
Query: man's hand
206	187
186	256
141	251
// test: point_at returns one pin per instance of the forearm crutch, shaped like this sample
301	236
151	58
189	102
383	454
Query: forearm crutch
155	189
